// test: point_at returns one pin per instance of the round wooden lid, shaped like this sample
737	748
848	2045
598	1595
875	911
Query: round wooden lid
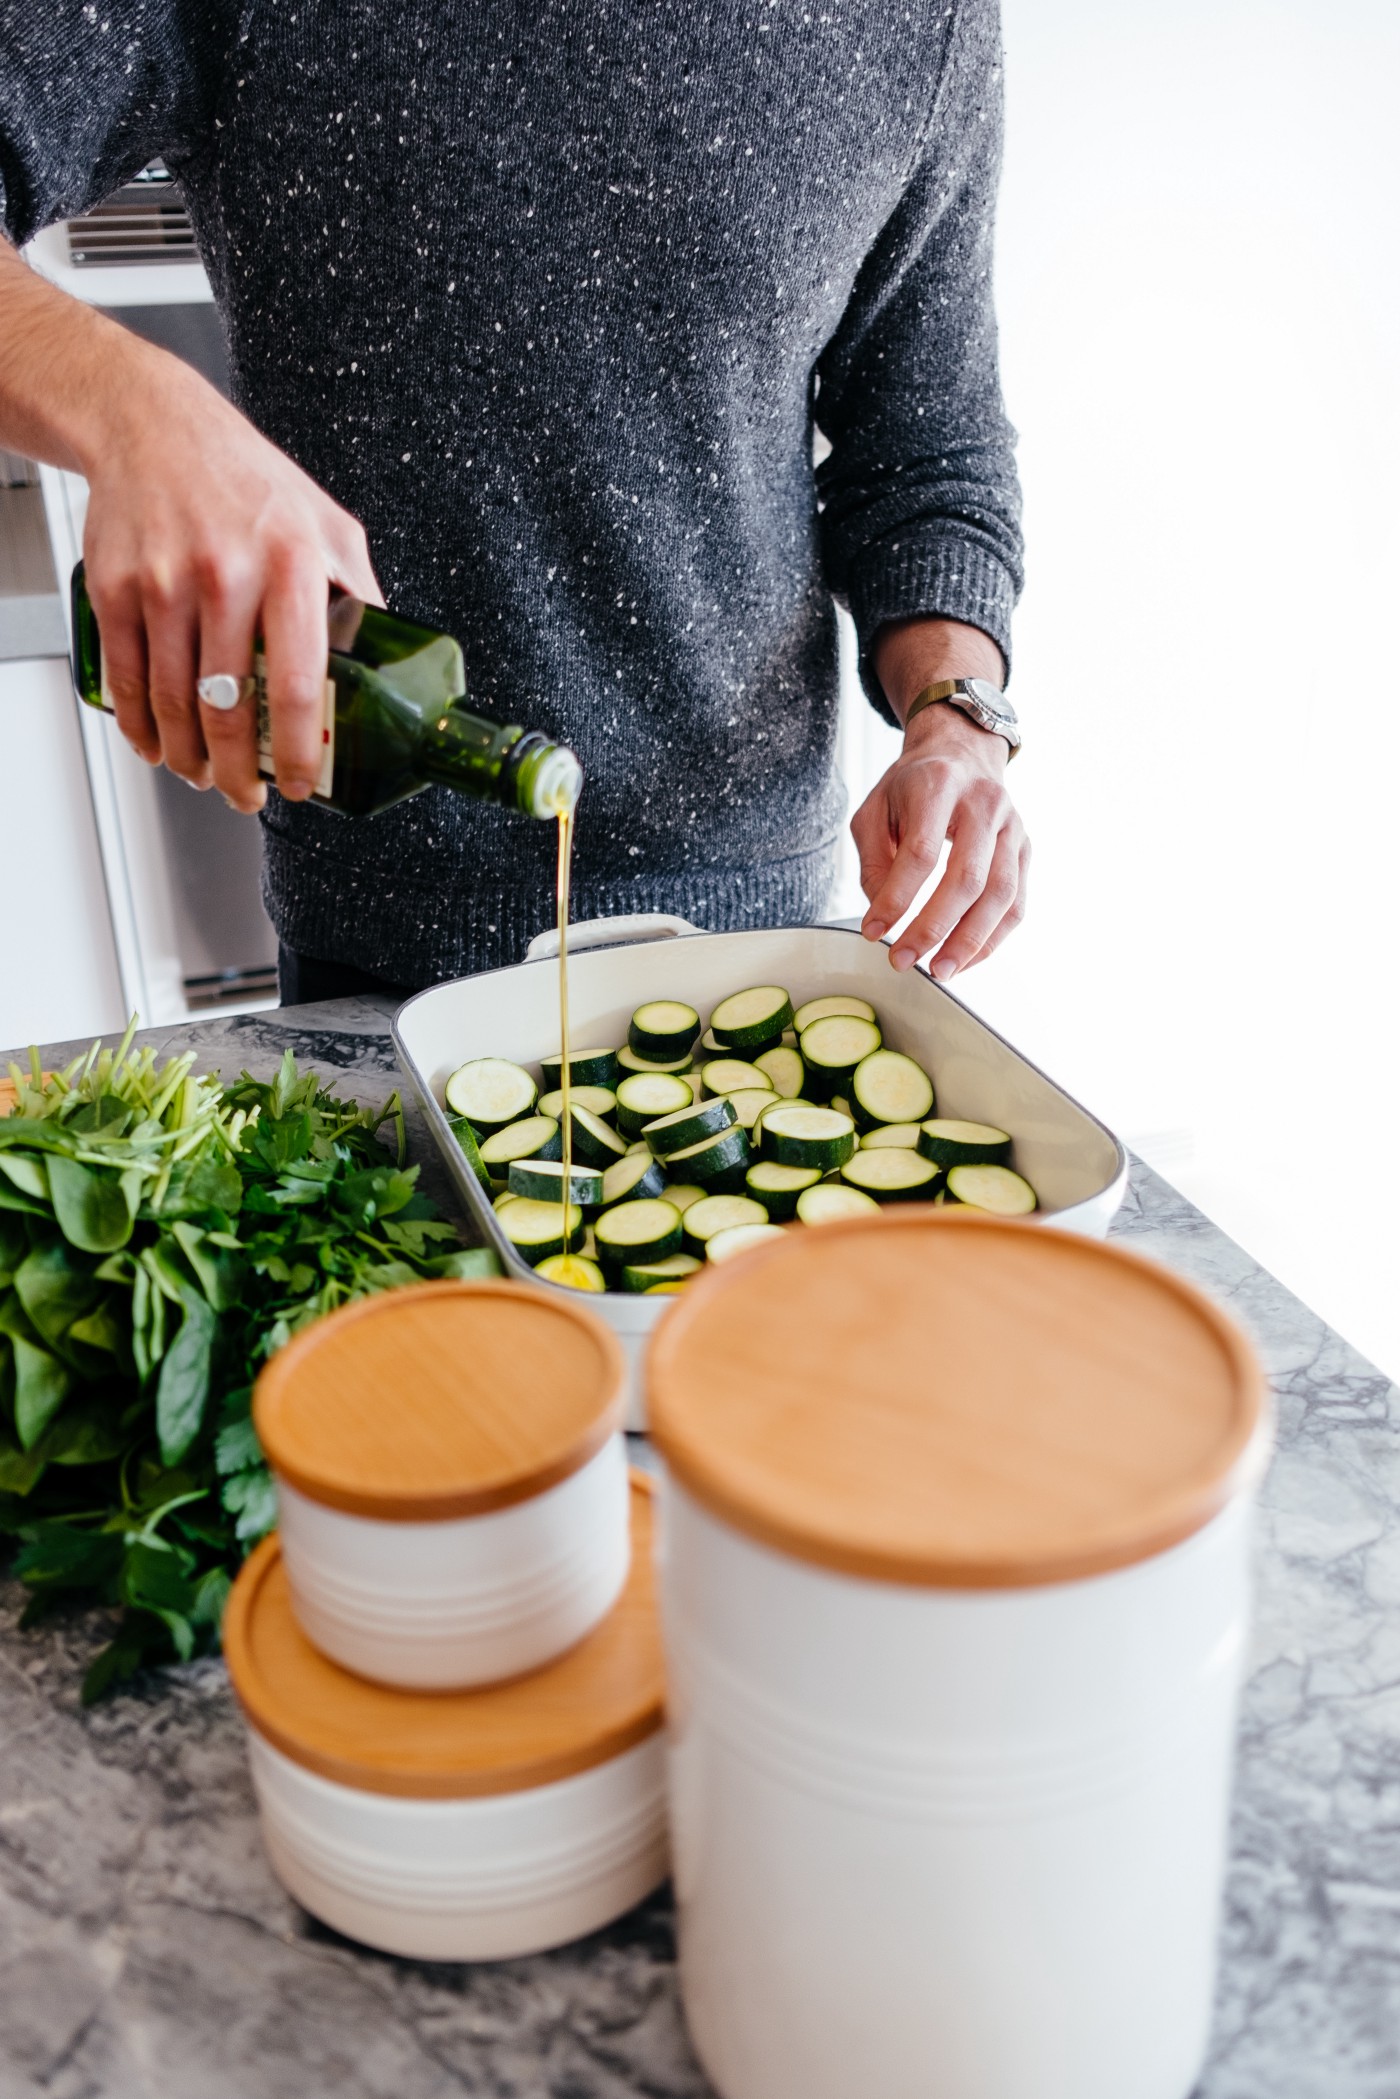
444	1399
955	1401
598	1700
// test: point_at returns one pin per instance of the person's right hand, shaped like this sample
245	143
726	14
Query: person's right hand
200	535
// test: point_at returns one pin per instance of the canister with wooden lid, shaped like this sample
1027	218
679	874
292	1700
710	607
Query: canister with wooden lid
458	1825
452	1480
955	1595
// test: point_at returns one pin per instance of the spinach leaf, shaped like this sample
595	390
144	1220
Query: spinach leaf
90	1205
42	1384
183	1390
56	1289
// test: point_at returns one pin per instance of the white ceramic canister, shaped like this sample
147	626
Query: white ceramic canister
459	1825
955	1592
452	1480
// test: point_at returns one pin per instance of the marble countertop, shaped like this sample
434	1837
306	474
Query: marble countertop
146	1952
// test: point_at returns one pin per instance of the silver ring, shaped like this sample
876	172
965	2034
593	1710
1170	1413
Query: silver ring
223	692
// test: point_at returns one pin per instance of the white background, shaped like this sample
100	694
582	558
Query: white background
1200	315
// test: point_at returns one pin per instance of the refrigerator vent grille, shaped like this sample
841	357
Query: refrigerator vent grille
144	222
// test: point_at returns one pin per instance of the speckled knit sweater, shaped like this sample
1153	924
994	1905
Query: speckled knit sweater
550	293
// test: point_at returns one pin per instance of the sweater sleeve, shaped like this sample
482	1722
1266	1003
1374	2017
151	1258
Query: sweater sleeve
921	506
90	93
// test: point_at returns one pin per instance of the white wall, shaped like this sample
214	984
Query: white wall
1200	314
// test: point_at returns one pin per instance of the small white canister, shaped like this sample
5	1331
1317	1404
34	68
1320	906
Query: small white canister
458	1825
955	1592
452	1480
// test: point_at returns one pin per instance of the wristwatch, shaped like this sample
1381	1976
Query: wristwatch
977	698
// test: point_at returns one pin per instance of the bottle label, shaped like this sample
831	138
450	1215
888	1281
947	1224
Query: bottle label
265	766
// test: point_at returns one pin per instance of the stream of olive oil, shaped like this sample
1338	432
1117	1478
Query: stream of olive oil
561	900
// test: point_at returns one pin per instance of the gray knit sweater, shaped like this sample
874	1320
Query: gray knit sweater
550	293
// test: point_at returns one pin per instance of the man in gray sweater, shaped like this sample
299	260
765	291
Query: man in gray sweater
531	312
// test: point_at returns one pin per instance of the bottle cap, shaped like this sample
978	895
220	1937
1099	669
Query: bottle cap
557	784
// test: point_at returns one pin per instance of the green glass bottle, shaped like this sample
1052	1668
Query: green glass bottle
395	719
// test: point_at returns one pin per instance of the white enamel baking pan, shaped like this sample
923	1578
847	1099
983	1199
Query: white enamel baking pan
1077	1167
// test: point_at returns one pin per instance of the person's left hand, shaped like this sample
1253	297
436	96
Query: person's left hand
946	784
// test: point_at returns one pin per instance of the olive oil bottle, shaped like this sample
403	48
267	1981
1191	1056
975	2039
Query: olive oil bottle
395	719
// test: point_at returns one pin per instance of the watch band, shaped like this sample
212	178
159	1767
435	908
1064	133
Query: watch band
962	693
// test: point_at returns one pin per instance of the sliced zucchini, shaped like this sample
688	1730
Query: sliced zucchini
663	1029
722	1246
784	1071
709	1044
831	1202
842	1106
635	1233
681	1194
748	1104
731	1075
753	1018
831	1049
594	1143
778	1187
502	1197
893	1176
588	1246
719	1213
664	1290
994	1188
638	1144
490	1092
643	1095
628	1060
892	1136
544	1180
724	1156
689	1126
887	1087
600	1099
466	1138
951	1143
674	1269
574	1271
819	1137
537	1137
534	1228
779	1101
635	1174
587	1067
823	1008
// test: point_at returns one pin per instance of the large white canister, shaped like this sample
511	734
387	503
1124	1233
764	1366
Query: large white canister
452	1479
458	1825
954	1591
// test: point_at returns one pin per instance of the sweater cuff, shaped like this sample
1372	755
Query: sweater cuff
931	578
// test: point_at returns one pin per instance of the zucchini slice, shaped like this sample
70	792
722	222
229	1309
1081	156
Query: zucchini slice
894	1136
636	1174
594	1143
600	1099
784	1071
721	1246
817	1137
842	1106
663	1029
778	1187
831	1202
537	1137
751	1019
730	1075
543	1179
823	1008
490	1092
681	1194
664	1290
951	1143
719	1213
635	1233
893	1176
832	1047
534	1228
574	1271
994	1188
466	1138
748	1104
628	1060
722	1156
587	1067
674	1269
779	1101
689	1125
887	1087
643	1095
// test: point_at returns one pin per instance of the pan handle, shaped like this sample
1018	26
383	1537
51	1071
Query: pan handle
609	932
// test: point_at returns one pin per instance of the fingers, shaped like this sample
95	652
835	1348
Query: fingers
993	894
348	564
295	645
922	808
1013	917
228	610
117	608
172	642
874	843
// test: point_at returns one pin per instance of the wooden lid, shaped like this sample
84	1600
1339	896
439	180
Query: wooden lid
955	1401
598	1700
444	1399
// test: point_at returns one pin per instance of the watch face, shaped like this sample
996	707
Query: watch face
994	700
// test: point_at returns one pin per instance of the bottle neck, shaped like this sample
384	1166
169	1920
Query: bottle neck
499	761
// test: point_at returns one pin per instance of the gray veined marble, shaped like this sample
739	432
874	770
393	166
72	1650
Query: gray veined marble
147	1953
